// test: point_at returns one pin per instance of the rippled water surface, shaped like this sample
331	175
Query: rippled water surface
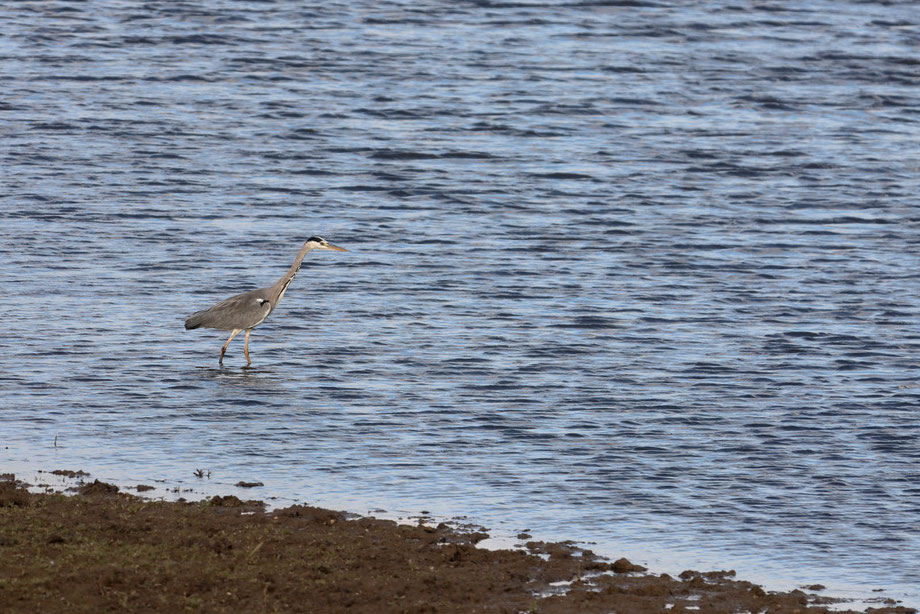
640	273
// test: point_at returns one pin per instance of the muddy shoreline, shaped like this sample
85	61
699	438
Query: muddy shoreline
103	550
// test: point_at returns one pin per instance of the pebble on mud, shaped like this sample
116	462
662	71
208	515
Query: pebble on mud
623	565
98	488
227	501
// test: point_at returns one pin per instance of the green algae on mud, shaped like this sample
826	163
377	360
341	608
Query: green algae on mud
106	551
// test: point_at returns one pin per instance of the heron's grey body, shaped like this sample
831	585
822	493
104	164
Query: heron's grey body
249	309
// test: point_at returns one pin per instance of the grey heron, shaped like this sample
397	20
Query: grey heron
245	311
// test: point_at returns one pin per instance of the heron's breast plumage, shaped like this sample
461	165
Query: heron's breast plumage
266	308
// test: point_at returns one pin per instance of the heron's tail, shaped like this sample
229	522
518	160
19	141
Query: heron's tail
194	320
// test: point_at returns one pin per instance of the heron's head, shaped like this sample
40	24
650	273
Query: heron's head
321	243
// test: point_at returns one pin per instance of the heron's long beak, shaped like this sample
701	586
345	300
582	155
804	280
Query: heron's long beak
335	247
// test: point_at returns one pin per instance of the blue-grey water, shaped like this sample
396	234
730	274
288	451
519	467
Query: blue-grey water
644	274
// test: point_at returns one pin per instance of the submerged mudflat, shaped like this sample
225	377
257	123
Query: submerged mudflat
102	550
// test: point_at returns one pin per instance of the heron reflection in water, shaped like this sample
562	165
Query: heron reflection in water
245	311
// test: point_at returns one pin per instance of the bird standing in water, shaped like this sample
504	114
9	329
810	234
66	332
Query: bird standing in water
247	310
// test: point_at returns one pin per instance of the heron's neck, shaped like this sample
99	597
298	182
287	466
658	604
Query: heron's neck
282	284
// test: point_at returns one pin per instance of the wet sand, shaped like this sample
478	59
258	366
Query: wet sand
102	550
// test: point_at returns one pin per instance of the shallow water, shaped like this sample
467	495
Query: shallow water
640	274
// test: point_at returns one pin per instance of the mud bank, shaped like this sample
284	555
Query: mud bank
101	550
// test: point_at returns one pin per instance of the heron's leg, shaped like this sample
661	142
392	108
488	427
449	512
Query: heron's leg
223	350
246	347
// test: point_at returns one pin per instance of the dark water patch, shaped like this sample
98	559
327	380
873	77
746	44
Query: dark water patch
468	155
187	78
564	176
201	39
303	134
54	126
767	102
589	322
390	154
